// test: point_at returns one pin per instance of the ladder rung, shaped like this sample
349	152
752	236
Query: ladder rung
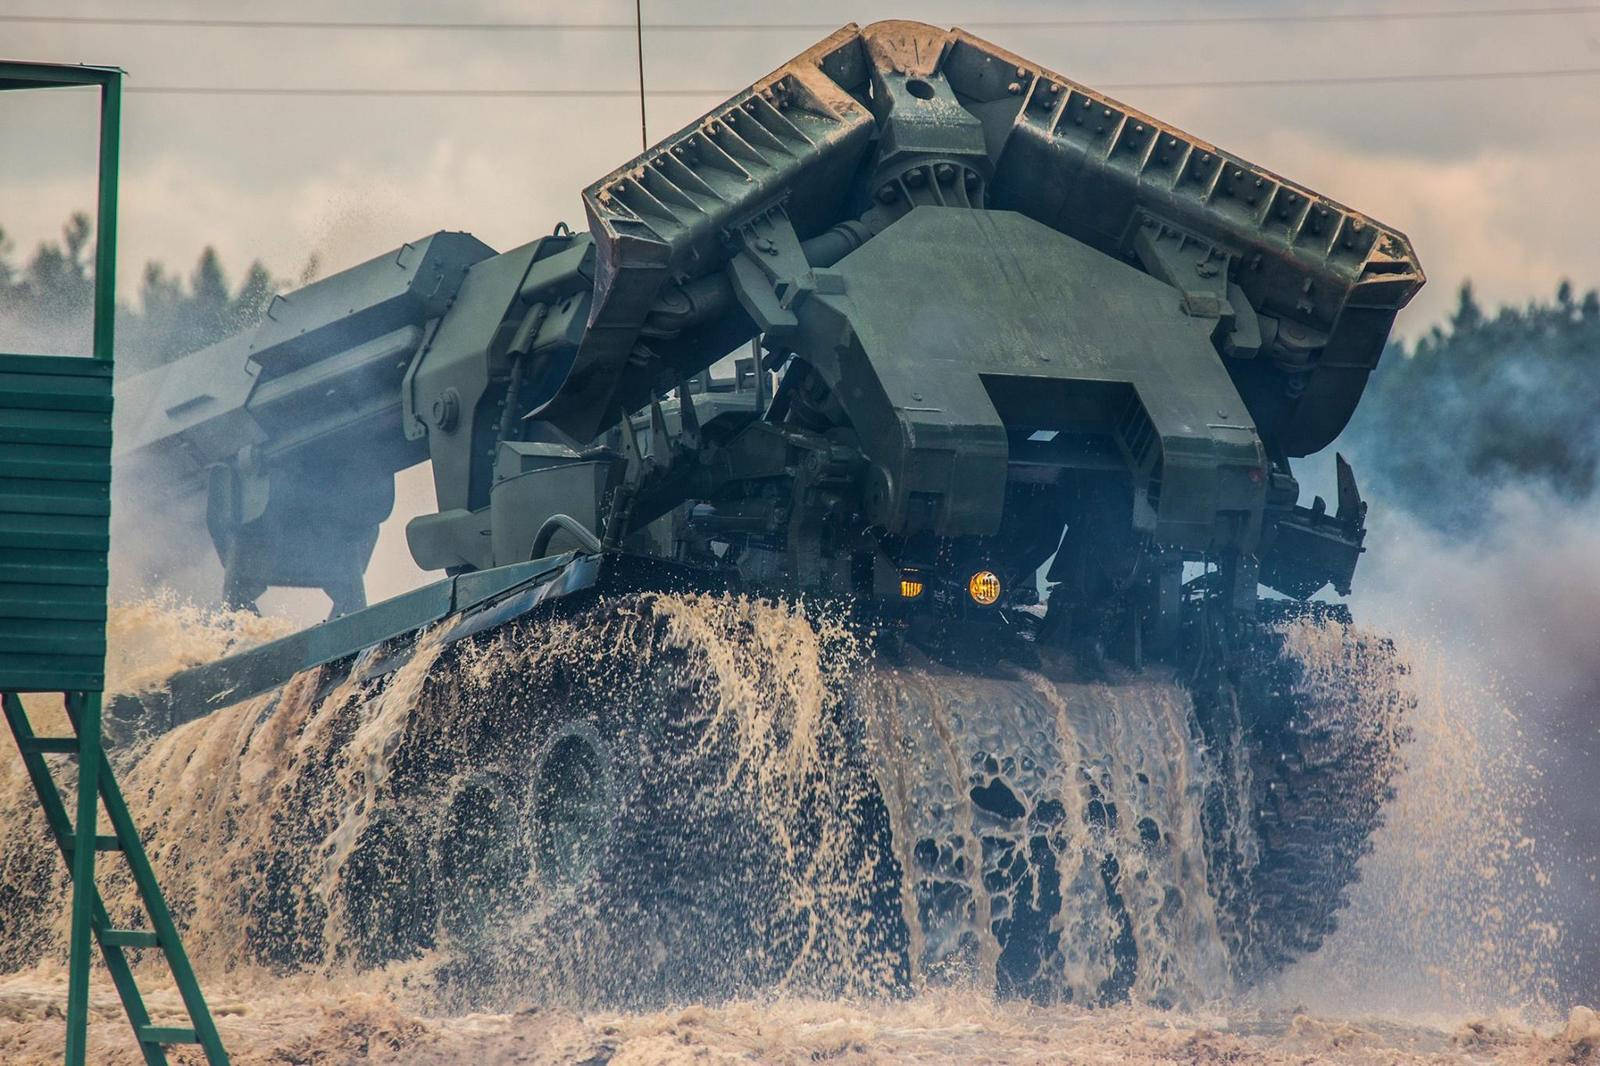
129	938
101	843
166	1034
49	745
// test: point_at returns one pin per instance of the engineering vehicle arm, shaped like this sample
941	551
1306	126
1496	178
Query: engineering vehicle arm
998	318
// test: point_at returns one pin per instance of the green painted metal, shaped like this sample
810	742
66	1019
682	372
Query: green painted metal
155	904
55	509
61	829
199	690
114	942
85	821
105	254
55	513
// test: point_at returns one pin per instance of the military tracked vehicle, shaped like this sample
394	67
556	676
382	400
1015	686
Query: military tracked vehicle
913	328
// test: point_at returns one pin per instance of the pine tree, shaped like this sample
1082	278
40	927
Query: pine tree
1468	316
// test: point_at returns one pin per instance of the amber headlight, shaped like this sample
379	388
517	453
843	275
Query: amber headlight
984	588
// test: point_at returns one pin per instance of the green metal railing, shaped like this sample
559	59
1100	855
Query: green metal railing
55	523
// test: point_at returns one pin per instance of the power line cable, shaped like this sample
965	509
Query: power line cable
284	90
1358	79
638	40
1126	86
1107	22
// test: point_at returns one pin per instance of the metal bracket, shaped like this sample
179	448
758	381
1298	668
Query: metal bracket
770	273
410	421
1200	271
688	417
1308	548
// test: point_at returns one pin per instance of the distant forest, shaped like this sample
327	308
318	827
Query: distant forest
1481	402
49	299
1485	402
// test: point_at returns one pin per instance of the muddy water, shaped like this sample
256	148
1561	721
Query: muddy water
1445	955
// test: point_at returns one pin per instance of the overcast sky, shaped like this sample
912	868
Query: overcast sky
1493	180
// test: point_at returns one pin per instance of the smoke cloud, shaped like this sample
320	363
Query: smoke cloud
1478	449
1515	612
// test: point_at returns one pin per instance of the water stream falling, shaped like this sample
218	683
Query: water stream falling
800	770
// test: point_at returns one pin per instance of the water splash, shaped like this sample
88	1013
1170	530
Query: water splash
1454	912
150	639
257	811
1061	816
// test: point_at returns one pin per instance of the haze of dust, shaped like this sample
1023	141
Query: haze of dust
1447	890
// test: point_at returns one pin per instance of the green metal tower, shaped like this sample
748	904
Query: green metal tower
55	513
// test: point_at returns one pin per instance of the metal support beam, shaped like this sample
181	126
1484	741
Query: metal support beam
105	242
90	756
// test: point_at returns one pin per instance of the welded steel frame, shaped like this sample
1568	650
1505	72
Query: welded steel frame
91	755
55	507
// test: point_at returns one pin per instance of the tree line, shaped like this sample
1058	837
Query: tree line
46	301
1484	402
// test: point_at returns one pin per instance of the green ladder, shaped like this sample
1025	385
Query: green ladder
78	845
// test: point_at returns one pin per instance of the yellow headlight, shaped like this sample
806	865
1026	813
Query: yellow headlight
984	588
910	586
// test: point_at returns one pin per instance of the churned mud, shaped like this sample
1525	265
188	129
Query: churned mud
282	1022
